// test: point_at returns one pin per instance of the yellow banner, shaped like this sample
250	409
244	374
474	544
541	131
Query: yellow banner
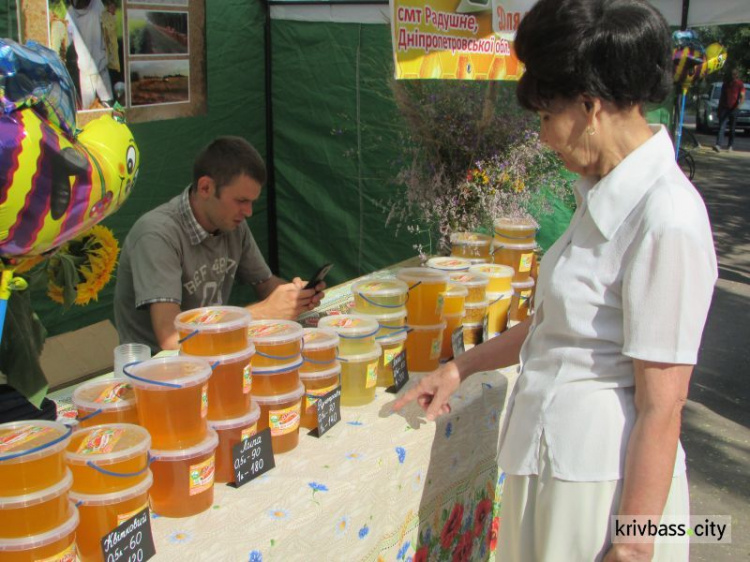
456	39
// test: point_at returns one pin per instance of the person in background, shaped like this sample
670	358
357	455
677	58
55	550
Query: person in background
593	422
730	101
188	252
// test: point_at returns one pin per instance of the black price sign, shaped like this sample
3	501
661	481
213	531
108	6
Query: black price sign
329	410
400	372
252	457
457	341
131	541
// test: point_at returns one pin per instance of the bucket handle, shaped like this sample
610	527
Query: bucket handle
190	335
373	303
63	437
283	357
91	415
399	330
317	362
149	381
106	472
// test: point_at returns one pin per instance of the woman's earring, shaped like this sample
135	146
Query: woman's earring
590	130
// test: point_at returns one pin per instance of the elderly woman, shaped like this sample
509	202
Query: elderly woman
593	424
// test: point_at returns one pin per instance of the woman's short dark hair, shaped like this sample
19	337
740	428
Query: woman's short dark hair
225	158
616	50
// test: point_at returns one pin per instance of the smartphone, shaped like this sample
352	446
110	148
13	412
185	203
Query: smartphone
319	276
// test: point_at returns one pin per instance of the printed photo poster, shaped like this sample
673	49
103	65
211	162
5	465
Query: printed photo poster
456	39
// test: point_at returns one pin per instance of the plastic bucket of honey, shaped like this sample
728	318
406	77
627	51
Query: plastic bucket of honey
520	304
500	276
423	346
230	384
359	376
391	346
450	263
426	288
32	456
281	379
184	478
56	544
452	321
470	245
475	283
518	256
277	342
213	330
108	458
102	513
282	414
172	397
317	384
320	350
31	514
372	296
356	331
110	400
475	312
391	323
515	230
497	312
454	298
231	432
473	333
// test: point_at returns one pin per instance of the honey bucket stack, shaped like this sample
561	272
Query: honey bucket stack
454	300
472	246
515	246
499	293
476	303
320	371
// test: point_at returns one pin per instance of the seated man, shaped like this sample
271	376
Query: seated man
186	253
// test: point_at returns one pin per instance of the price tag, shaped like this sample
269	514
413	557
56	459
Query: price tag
329	410
457	341
486	328
131	541
400	372
252	457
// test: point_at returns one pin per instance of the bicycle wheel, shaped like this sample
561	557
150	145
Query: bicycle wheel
687	163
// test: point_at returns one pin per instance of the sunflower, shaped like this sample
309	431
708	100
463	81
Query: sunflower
82	267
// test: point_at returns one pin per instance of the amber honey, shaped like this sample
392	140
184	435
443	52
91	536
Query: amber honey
55	544
449	264
31	514
277	342
231	432
282	415
31	456
320	350
452	321
499	276
272	381
213	330
373	296
520	304
475	312
184	479
391	347
426	288
470	245
473	333
423	346
454	298
101	401
515	230
316	385
475	283
518	256
497	312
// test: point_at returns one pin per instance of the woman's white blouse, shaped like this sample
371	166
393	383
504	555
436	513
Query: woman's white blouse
631	277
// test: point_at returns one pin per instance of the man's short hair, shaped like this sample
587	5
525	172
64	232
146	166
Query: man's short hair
225	158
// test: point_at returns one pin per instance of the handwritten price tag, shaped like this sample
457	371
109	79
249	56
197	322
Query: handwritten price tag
329	410
131	541
457	341
252	457
400	372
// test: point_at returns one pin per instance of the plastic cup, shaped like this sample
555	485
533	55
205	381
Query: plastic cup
230	384
38	512
475	283
356	331
515	230
105	401
473	333
108	458
475	312
500	276
520	304
518	256
277	342
359	376
391	346
423	346
497	312
452	321
470	245
172	397
451	263
31	456
317	384
184	478
129	353
213	330
231	432
282	414
390	323
454	298
56	544
281	379
372	296
102	513
320	350
426	288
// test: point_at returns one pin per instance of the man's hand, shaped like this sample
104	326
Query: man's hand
629	552
433	391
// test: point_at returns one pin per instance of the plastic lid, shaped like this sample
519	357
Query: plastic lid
313	375
492	298
350	326
388	318
425	275
380	287
470	239
481	304
279	369
530	246
42	539
292	396
132	440
440	326
470	279
448	264
318	338
461	314
473	325
161	373
493	270
41	496
392	339
109	394
243	421
28	440
521	285
139	489
212	319
477	261
237	357
456	289
516	223
363	357
208	445
274	332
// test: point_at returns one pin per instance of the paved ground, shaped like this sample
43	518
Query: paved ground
716	422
